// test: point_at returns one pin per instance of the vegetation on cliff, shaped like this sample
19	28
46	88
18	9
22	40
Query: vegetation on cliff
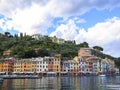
24	46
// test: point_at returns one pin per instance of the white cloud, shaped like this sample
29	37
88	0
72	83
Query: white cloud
105	34
67	31
36	16
33	16
32	20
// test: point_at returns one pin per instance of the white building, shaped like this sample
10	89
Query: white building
41	65
57	40
37	36
81	65
96	65
69	66
66	66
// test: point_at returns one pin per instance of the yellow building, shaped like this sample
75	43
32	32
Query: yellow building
75	59
24	66
57	60
17	68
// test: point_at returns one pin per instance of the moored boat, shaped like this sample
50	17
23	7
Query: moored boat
102	75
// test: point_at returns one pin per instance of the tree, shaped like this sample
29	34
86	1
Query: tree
25	46
84	44
98	48
96	51
21	36
18	51
30	53
7	34
43	52
1	50
117	62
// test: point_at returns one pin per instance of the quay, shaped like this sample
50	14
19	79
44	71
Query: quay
50	74
20	76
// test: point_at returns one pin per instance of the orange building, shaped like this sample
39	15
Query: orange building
51	64
84	52
7	66
1	65
7	53
26	66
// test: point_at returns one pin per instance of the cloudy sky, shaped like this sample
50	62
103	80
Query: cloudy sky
94	21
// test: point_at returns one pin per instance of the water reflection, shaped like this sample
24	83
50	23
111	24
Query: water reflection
63	83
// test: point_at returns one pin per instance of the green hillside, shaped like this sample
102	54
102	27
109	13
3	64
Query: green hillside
24	46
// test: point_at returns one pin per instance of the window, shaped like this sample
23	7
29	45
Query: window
40	62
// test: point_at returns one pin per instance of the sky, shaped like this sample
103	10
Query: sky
94	21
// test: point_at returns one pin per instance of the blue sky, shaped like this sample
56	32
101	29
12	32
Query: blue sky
95	21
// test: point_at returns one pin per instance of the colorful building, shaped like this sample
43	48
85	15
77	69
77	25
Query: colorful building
76	62
57	60
17	67
7	53
7	65
84	63
85	52
81	65
50	64
1	66
41	65
65	67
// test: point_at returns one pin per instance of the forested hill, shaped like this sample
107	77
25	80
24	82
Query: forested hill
24	46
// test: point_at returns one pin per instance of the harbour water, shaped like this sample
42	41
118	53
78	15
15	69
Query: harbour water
63	83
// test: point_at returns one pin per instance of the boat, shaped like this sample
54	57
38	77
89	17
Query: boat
102	75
